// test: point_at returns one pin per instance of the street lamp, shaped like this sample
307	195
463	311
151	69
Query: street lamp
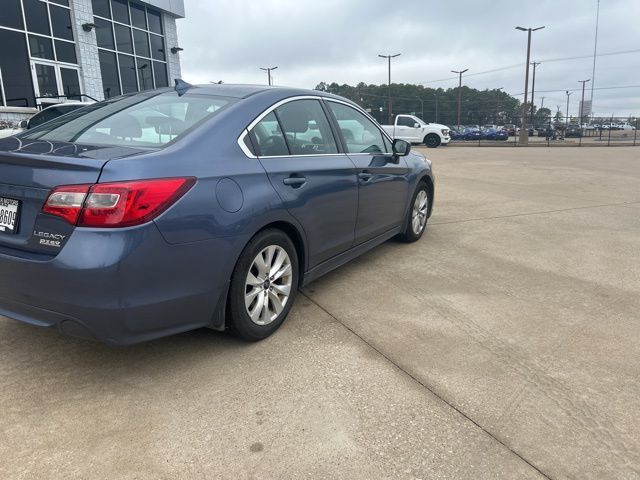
268	70
459	91
583	82
389	57
533	87
566	121
524	133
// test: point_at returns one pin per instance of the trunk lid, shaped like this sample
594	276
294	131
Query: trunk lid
28	172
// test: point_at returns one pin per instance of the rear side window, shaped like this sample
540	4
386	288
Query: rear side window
360	134
140	120
267	138
306	128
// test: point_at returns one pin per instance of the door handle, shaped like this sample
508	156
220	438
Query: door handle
365	176
295	182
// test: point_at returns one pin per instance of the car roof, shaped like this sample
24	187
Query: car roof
247	90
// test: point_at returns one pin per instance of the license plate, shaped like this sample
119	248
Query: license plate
9	209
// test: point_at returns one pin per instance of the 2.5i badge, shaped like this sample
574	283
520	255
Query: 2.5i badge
49	239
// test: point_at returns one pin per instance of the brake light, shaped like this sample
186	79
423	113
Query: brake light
117	204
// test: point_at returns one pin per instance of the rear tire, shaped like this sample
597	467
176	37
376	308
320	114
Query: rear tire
417	214
264	285
432	140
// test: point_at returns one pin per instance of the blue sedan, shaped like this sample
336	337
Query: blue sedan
201	206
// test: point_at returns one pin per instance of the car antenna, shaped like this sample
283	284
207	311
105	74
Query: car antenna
182	86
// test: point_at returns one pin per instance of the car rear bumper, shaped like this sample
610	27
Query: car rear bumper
119	286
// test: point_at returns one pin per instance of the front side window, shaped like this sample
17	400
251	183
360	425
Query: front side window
267	138
360	134
133	121
306	128
406	122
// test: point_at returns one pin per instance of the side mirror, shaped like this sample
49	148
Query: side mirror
401	148
24	124
416	125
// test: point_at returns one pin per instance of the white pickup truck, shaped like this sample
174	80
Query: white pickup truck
413	130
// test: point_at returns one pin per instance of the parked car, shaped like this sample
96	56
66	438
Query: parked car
414	130
471	133
173	209
547	132
495	134
573	131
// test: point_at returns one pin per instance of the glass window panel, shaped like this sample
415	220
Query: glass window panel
66	52
136	121
41	47
70	83
61	22
11	14
128	74
155	21
138	17
157	48
15	68
141	41
120	10
109	72
37	17
61	2
123	38
360	134
104	33
47	81
267	137
101	8
145	75
306	128
160	74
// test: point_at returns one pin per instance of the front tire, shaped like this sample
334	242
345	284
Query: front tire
432	140
264	285
418	214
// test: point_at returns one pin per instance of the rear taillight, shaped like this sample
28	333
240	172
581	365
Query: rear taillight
118	204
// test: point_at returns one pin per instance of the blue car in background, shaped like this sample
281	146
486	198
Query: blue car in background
495	134
471	134
201	206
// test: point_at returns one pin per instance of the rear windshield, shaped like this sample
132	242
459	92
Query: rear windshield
140	120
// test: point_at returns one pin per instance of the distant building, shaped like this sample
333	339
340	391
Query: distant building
58	50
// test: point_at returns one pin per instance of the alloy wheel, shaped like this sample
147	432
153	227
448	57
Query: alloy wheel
268	284
419	214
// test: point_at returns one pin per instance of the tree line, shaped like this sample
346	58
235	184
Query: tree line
478	107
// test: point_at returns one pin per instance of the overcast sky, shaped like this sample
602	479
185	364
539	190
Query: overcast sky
339	40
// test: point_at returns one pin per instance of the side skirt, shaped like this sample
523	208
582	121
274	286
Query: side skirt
345	257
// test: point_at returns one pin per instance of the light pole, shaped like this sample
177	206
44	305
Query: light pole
268	70
459	91
421	107
566	120
389	57
533	87
583	82
524	133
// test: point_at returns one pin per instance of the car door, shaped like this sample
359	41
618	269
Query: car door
383	179
317	184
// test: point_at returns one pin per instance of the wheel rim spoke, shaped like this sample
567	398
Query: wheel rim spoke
419	215
268	284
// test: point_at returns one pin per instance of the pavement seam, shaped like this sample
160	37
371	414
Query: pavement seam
542	212
427	387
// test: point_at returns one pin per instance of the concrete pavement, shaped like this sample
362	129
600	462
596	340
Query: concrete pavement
504	344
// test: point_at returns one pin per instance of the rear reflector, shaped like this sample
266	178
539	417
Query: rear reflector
118	204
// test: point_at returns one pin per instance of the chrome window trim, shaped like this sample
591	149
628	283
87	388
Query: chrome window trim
266	112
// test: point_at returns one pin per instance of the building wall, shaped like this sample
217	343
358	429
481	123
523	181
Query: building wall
171	37
87	49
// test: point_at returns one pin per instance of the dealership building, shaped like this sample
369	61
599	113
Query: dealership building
68	50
